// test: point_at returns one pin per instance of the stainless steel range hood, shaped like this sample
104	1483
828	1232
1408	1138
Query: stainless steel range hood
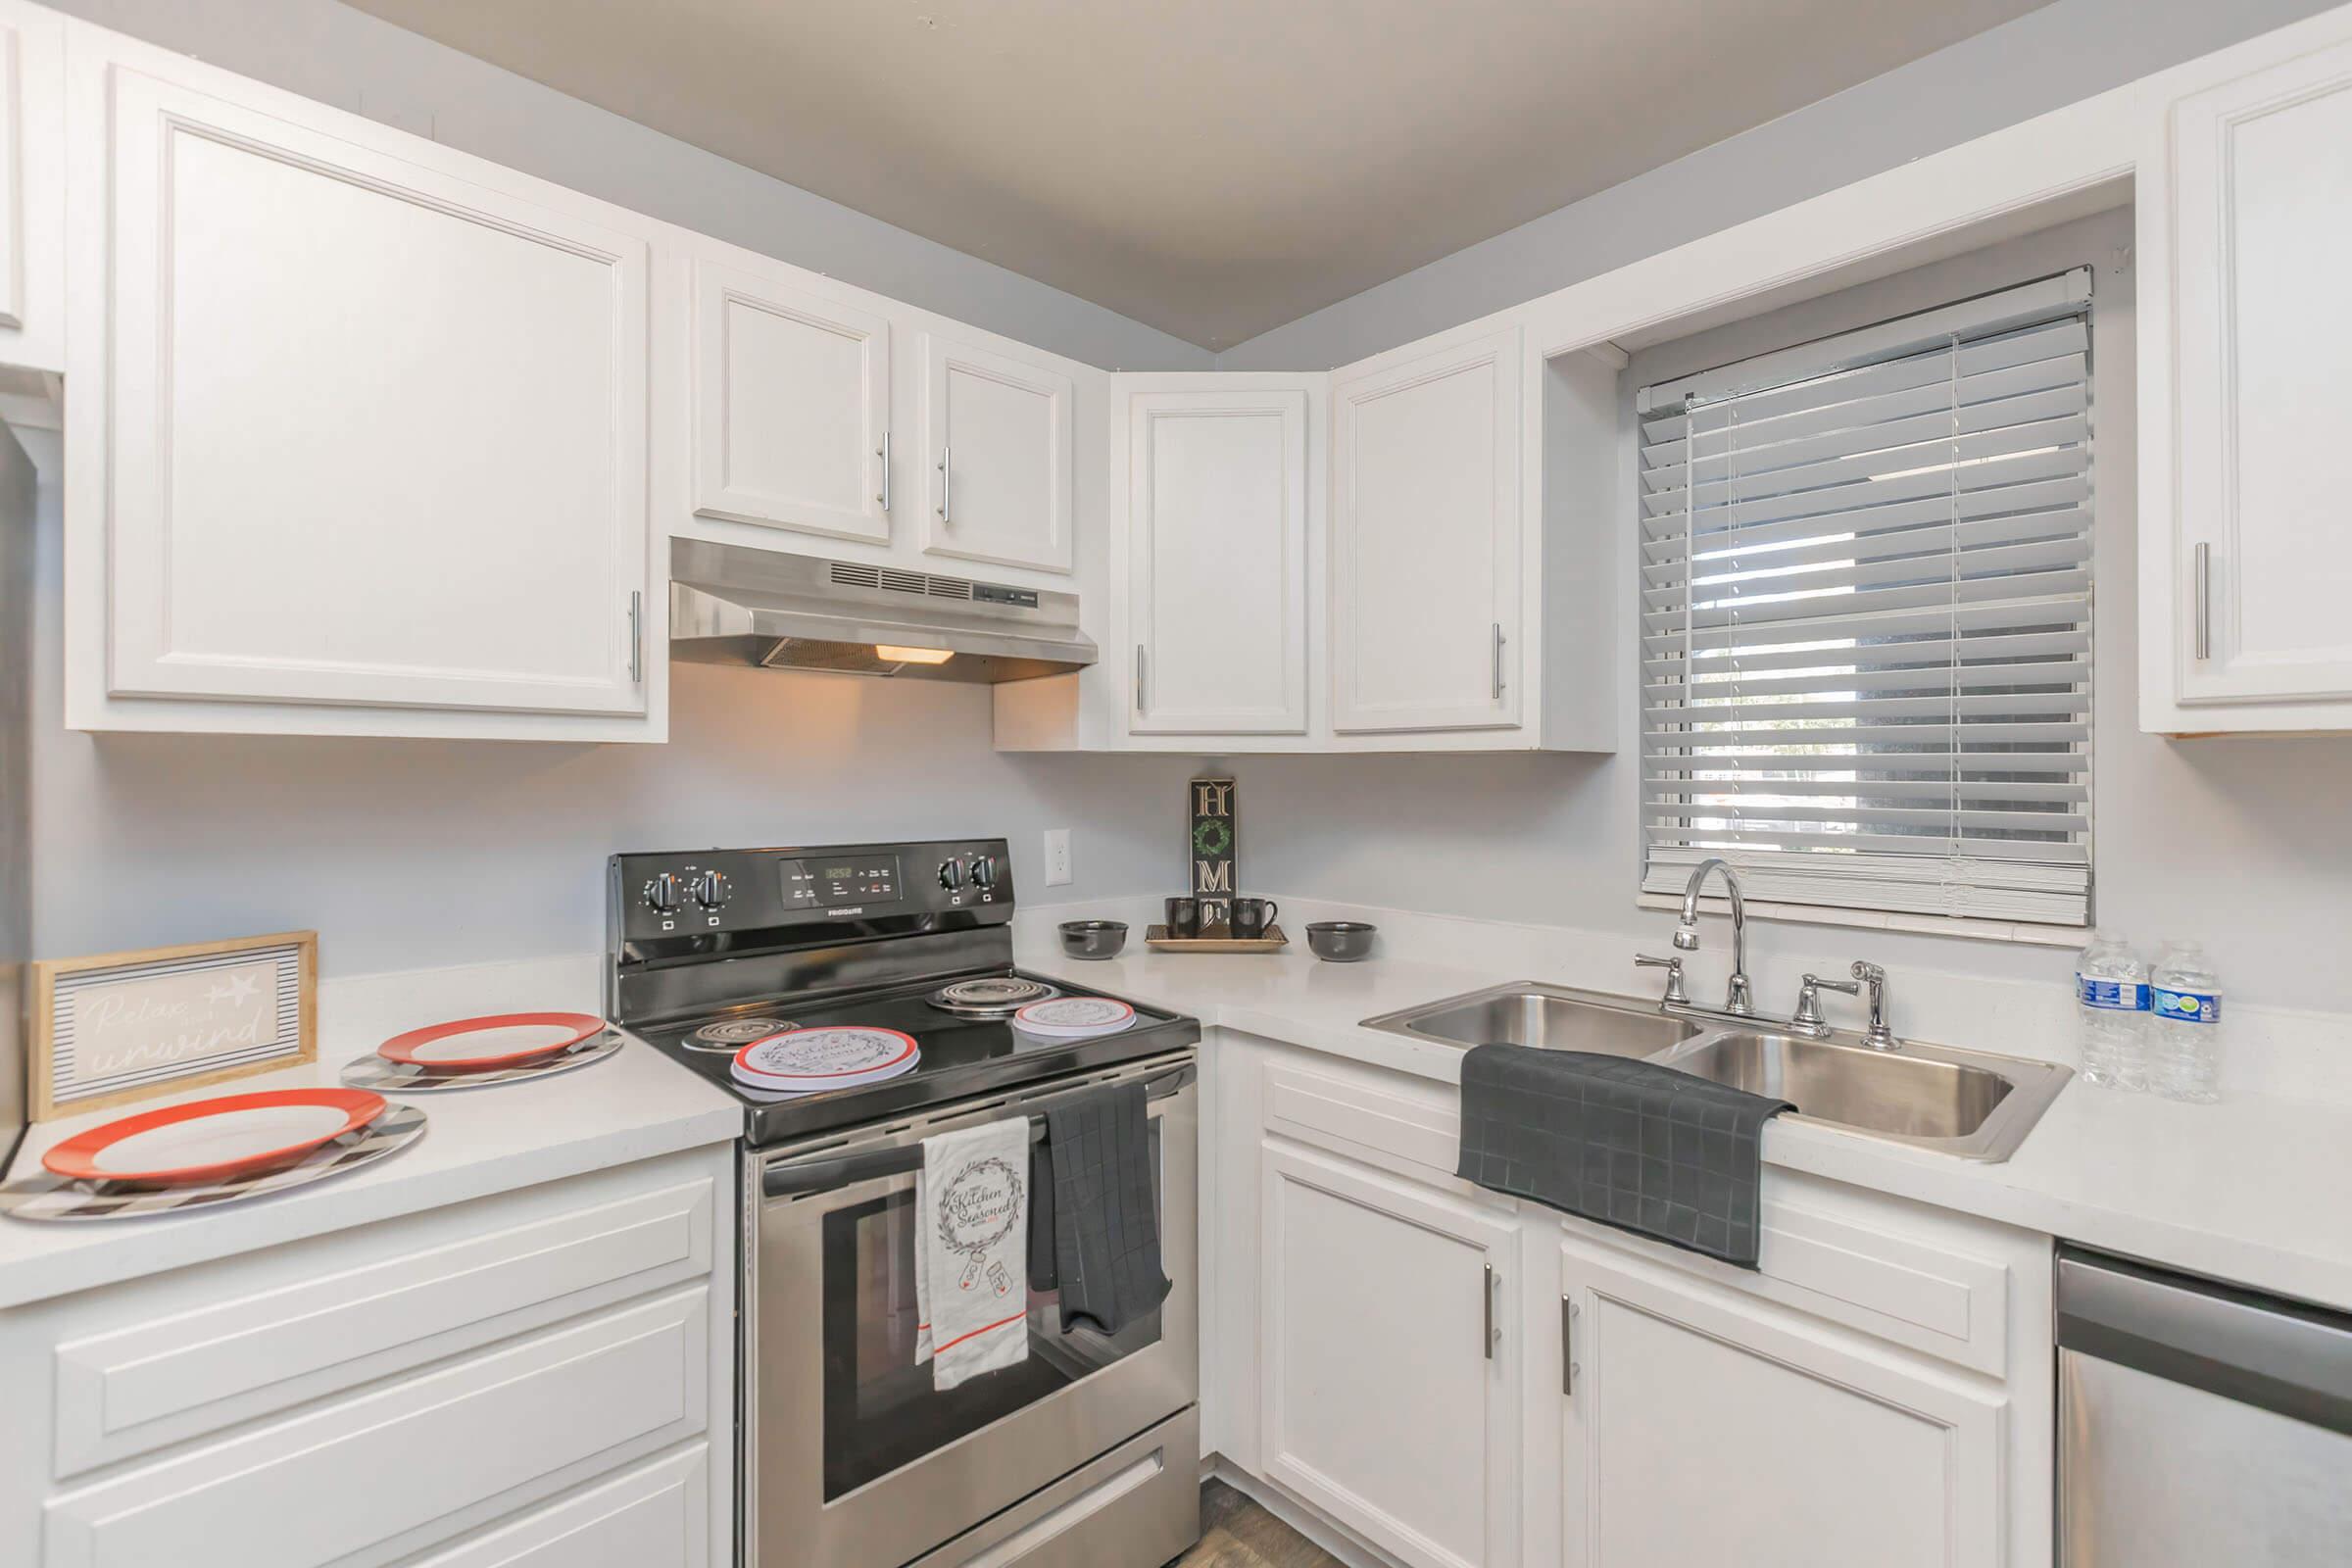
733	605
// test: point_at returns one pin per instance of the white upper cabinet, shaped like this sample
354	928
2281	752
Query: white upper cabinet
32	62
357	421
1426	528
997	443
2246	575
1217	561
791	407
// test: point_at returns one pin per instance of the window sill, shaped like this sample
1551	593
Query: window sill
1964	927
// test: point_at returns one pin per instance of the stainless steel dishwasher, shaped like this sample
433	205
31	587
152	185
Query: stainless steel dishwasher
2198	1425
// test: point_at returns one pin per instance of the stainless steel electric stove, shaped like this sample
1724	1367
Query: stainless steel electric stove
848	1457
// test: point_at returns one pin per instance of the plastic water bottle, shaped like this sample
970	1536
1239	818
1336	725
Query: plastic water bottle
2111	1010
2185	1058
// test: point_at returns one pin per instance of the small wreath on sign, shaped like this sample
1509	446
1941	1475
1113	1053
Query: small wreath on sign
1211	838
968	1222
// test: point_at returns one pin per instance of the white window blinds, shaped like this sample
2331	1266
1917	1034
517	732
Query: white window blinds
1866	642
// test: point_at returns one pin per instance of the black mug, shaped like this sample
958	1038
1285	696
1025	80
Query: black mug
1184	918
1250	917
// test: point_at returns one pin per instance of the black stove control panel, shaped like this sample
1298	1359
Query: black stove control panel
717	891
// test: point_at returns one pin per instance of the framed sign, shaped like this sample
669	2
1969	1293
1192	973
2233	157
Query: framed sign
1214	840
124	1026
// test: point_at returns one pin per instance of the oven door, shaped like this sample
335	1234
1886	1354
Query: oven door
851	1457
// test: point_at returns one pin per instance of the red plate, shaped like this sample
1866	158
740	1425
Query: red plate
561	1031
214	1140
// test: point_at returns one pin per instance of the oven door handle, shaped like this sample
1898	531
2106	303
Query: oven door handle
823	1175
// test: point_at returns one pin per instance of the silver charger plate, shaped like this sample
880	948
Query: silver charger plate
387	1077
47	1197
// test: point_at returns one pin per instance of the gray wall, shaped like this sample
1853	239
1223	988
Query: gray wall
2067	51
407	854
354	61
2244	844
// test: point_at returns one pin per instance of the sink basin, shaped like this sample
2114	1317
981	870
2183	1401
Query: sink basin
1548	1017
1957	1101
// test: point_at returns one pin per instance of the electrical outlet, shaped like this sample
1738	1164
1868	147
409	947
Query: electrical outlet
1058	856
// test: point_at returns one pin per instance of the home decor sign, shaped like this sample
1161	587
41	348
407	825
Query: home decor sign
126	1026
1212	834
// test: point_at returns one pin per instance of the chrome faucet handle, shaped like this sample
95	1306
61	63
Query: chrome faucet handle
1808	1000
1675	995
1878	1036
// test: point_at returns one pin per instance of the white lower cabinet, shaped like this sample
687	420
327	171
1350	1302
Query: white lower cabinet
1699	1428
1448	1378
533	1378
1391	1385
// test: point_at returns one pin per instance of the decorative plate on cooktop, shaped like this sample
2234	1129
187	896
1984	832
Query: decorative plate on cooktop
840	1056
1075	1016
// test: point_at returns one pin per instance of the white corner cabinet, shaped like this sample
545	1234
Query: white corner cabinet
1453	1378
1443	579
2246	555
541	1377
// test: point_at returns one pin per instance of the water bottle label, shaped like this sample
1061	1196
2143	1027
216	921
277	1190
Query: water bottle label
2188	1006
2111	996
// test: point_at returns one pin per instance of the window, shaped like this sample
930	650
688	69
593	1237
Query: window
1865	619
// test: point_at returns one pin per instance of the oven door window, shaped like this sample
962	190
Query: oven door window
881	1413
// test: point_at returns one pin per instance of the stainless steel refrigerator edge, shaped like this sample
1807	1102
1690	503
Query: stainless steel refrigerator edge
17	492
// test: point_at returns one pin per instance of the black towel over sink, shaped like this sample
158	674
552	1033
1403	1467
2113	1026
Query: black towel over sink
1629	1144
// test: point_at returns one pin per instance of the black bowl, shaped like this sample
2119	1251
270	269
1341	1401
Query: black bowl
1093	939
1340	940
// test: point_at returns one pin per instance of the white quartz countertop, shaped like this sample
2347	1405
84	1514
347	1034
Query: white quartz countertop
634	1104
2256	1190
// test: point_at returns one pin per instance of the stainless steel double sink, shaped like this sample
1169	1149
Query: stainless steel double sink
1959	1103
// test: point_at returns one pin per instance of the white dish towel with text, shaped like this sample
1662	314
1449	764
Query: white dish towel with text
971	1274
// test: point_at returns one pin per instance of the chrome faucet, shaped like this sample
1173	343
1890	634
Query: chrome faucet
1736	999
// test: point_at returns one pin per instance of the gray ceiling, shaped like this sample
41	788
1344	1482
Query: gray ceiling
1212	167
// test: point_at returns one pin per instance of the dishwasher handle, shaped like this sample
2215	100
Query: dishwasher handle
2281	1356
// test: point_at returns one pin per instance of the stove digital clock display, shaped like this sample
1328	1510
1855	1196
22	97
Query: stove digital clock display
827	884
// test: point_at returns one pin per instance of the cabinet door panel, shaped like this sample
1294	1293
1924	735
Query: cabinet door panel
999	442
1218	571
1425	543
791	406
2264	232
1388	1402
378	432
1698	1430
33	330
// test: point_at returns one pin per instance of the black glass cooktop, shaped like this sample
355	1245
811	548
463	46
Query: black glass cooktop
962	1057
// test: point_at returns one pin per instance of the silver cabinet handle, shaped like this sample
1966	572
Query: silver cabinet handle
1499	659
883	452
1489	1316
1568	1367
1139	679
636	637
943	483
2204	606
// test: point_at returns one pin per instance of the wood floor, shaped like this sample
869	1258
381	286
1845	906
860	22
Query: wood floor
1236	1533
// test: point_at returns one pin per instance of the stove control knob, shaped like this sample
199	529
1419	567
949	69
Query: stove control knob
984	872
950	874
661	894
711	890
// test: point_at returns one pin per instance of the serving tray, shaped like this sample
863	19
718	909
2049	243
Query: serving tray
1156	937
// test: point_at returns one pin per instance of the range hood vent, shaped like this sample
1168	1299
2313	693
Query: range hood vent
729	605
